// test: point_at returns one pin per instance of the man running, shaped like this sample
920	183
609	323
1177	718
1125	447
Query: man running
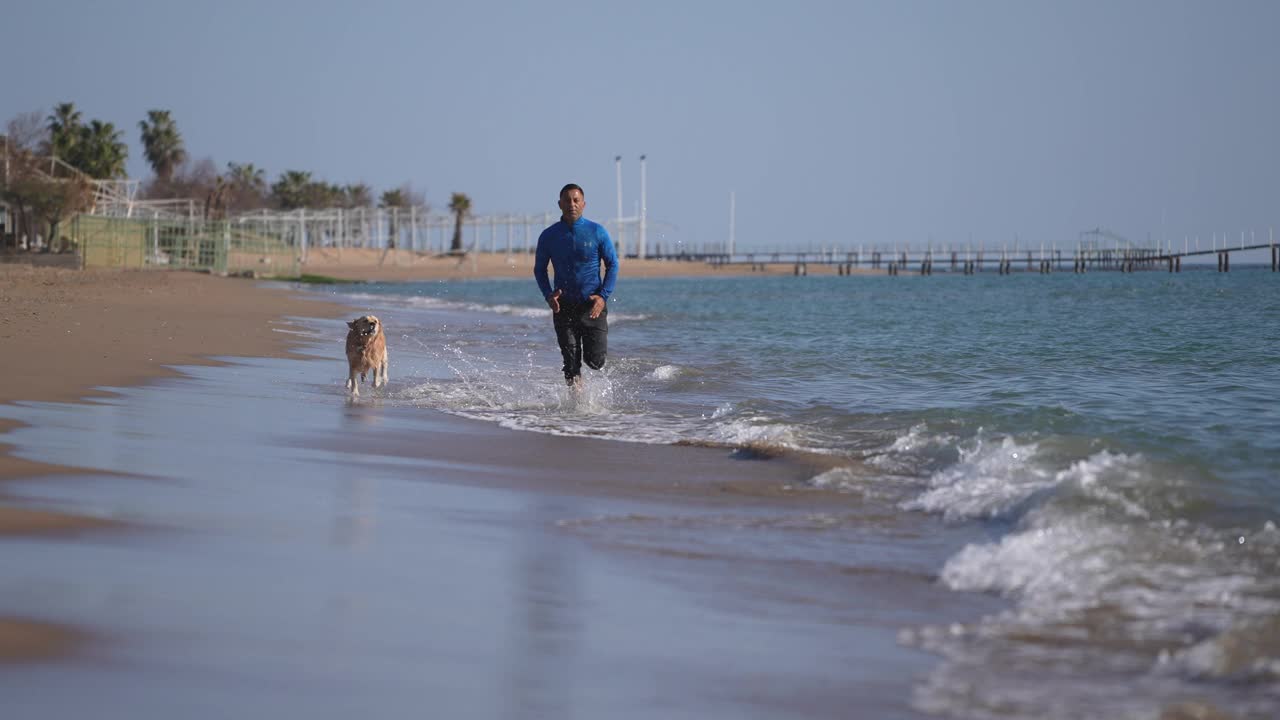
575	246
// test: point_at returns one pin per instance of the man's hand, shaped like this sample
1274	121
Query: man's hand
597	306
553	301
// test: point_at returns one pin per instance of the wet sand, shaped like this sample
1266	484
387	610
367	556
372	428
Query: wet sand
65	333
238	538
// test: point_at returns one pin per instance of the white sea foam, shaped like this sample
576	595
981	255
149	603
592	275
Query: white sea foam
1249	651
1077	571
1050	566
990	479
917	439
424	302
758	431
1061	548
665	372
1093	544
906	453
843	479
721	411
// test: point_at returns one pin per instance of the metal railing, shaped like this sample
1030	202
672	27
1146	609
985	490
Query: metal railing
215	246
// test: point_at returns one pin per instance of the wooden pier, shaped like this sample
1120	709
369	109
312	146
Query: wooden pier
1087	257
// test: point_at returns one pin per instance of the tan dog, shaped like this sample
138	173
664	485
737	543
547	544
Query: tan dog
366	351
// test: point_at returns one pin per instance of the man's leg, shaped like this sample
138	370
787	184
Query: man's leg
595	339
569	340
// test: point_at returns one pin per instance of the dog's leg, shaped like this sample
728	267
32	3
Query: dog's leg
375	385
384	373
351	384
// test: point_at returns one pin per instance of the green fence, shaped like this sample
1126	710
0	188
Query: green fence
224	247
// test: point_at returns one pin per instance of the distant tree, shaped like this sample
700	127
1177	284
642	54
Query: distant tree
403	197
191	180
65	126
460	205
53	200
358	195
393	199
320	194
297	189
248	176
31	193
27	132
413	198
99	152
290	191
19	165
248	187
34	195
325	195
215	200
162	143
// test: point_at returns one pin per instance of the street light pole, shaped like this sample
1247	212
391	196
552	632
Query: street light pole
617	163
732	213
641	245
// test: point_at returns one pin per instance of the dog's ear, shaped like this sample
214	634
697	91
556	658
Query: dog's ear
352	324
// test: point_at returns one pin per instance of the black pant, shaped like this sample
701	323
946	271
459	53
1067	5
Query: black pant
581	338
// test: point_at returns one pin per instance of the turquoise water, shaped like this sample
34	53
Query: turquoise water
1115	438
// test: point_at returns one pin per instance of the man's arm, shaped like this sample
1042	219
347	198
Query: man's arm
610	257
541	257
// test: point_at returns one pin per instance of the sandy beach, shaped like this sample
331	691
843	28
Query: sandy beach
613	567
65	333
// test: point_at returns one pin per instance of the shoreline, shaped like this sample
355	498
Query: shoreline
281	521
418	551
67	333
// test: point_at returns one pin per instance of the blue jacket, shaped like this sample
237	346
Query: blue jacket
575	252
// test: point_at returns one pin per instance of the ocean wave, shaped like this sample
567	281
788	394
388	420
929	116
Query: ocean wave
537	312
919	447
842	479
1101	576
760	433
990	479
1248	652
665	372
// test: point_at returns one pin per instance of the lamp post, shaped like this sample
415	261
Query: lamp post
617	164
641	244
732	213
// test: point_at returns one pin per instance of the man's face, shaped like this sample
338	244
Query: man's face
572	204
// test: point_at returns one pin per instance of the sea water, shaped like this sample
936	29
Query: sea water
1113	438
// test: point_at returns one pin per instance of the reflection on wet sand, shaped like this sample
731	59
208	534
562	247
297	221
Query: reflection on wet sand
546	618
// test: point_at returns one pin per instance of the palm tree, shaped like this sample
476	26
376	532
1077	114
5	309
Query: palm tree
99	152
358	195
247	177
395	201
215	202
460	204
64	130
290	191
162	144
248	185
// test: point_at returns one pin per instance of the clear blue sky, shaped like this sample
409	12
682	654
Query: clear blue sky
834	122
